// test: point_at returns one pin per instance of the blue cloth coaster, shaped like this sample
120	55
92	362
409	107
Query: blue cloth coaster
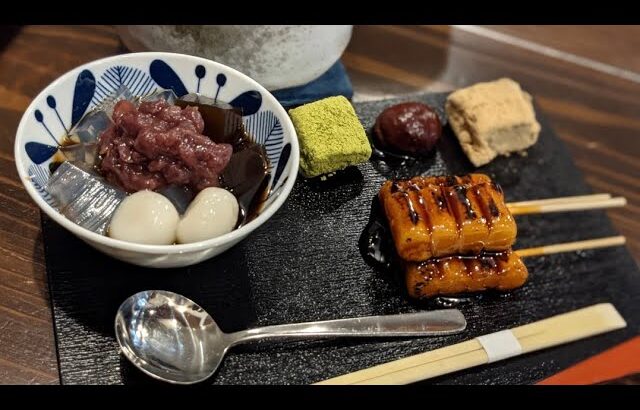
334	81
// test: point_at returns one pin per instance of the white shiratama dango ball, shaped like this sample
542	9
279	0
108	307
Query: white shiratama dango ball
145	217
213	212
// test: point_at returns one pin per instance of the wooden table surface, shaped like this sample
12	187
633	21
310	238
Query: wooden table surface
585	79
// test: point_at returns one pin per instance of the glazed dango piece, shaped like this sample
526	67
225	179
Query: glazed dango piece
145	217
441	216
213	212
461	274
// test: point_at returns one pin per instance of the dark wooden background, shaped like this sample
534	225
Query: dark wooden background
585	79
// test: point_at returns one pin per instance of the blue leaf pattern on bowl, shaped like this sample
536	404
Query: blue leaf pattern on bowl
39	153
39	176
138	82
82	95
166	77
282	162
248	101
265	127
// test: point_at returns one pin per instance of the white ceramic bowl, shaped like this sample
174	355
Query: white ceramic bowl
60	105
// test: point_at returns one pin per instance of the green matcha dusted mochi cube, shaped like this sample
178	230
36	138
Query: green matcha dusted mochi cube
331	136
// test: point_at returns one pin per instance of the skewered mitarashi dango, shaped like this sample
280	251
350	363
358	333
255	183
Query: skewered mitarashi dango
454	234
461	274
441	216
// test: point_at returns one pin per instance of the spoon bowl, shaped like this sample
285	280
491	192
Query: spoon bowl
171	338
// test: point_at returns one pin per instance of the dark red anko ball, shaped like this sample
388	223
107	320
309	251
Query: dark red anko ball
412	128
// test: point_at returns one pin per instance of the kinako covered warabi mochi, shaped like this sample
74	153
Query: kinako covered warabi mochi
331	136
492	118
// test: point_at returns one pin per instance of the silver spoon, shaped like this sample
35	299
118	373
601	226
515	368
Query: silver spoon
171	338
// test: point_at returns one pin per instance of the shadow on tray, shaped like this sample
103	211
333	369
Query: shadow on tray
89	286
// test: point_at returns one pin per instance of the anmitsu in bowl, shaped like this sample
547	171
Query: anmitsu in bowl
197	151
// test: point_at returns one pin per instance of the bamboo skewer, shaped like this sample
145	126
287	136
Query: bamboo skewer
554	331
572	246
556	205
562	200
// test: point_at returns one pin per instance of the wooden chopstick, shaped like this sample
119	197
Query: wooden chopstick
572	246
556	206
554	331
561	200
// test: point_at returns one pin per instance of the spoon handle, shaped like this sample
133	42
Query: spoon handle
430	323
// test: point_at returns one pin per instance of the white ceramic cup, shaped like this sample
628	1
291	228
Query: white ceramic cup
275	56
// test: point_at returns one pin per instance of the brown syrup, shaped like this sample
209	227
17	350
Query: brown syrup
247	174
460	190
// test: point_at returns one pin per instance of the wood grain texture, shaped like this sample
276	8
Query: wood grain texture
598	43
596	114
31	58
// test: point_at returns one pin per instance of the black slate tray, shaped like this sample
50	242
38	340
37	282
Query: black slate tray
305	264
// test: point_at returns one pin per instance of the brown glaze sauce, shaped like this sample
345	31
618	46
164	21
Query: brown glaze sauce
460	185
487	260
412	211
493	208
461	194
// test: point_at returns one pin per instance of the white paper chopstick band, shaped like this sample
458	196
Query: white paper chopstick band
500	345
